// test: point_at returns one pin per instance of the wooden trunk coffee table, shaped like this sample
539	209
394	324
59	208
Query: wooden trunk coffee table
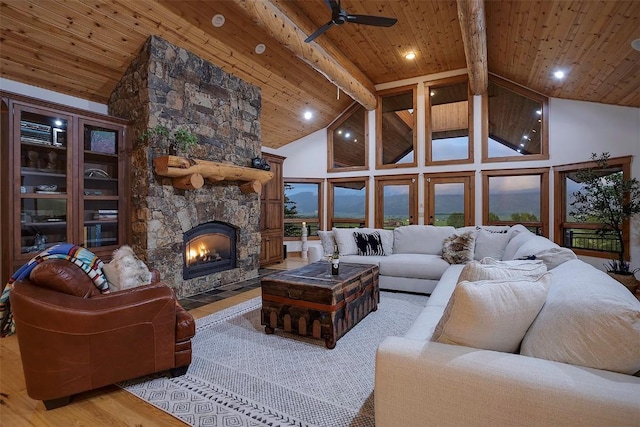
311	302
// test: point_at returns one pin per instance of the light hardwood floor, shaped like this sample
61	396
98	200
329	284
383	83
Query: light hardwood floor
107	406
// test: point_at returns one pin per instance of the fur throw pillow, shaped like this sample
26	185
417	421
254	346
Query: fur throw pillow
126	270
458	249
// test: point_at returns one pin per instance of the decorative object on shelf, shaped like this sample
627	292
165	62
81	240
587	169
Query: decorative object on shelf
102	141
32	159
611	200
181	139
96	173
260	163
303	237
189	174
52	158
47	187
39	242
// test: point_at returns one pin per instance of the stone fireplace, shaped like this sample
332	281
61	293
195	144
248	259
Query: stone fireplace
169	86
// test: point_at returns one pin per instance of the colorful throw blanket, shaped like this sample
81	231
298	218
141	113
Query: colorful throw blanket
83	258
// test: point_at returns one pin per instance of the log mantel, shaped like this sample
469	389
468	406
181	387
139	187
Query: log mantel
189	174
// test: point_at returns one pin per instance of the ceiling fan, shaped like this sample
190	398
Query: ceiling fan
339	16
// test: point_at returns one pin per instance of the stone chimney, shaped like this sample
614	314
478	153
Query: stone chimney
167	85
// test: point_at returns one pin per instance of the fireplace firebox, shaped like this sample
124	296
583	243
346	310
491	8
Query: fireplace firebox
209	248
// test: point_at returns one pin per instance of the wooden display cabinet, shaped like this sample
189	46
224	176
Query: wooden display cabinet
62	180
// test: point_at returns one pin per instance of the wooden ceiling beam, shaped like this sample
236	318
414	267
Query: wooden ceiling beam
288	34
474	37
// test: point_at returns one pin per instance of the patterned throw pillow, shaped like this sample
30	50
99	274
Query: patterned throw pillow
368	244
458	249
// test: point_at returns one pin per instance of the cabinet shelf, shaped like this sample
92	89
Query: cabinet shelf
44	146
24	171
44	224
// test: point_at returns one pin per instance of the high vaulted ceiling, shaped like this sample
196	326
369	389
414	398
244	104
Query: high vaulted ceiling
82	48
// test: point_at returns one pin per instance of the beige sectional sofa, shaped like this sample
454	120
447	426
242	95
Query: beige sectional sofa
574	359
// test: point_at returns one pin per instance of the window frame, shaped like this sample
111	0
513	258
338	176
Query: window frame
330	195
337	123
379	147
560	198
428	86
544	130
381	181
320	183
466	178
543	224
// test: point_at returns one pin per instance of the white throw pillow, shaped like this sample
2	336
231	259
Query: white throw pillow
553	257
125	270
327	240
344	239
420	239
490	269
492	314
491	243
589	319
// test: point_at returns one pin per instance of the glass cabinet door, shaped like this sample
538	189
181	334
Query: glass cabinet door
99	189
44	174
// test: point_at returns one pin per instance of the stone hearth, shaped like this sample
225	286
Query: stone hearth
167	85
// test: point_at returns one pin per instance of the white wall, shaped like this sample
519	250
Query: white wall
576	129
51	96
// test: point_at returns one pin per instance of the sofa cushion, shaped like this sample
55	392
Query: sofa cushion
327	241
359	259
490	269
420	239
459	248
344	239
589	319
385	235
492	314
368	243
491	243
516	240
419	266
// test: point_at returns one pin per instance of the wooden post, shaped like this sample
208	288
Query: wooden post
251	187
189	182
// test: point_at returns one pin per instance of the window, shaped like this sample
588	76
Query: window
581	236
395	128
303	200
449	199
347	137
348	202
396	201
449	112
516	124
517	197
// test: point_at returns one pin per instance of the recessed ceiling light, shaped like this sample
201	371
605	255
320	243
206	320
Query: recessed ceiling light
307	115
432	93
525	136
521	145
539	112
58	122
410	55
347	135
636	44
339	132
559	74
260	48
217	20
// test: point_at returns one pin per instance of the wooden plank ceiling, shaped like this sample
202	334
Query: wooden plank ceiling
82	47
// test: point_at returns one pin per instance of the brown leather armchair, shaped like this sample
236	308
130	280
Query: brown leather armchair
73	339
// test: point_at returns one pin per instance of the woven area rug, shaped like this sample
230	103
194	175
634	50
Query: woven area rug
240	376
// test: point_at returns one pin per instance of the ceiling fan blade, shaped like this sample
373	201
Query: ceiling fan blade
333	5
319	31
376	21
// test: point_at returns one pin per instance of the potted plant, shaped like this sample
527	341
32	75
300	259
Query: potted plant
608	198
181	139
